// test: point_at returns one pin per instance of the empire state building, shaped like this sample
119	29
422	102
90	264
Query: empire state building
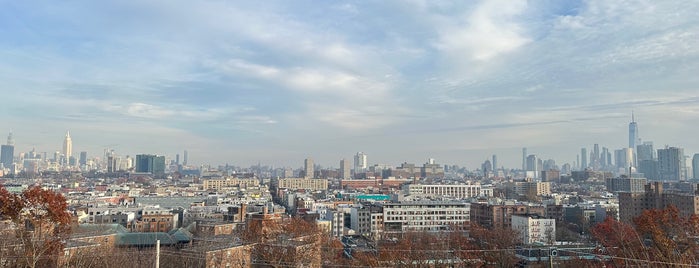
67	147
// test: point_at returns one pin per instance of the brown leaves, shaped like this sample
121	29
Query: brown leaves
40	223
659	236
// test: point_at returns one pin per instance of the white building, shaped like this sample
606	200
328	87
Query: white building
534	228
424	215
460	191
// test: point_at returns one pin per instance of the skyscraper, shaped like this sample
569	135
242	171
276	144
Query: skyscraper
524	158
184	159
360	162
595	157
583	159
533	165
495	163
633	132
645	151
149	163
344	169
67	148
7	152
695	166
83	158
671	164
308	167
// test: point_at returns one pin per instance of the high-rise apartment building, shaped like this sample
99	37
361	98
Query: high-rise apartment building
308	168
344	169
67	148
360	162
671	164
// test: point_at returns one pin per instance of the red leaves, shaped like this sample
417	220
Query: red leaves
659	236
34	204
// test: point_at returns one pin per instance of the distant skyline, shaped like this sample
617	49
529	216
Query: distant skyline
277	82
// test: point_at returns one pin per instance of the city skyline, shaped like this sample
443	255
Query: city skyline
278	82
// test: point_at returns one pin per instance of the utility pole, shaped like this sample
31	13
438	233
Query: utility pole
157	253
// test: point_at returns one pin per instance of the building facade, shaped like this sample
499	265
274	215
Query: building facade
303	183
424	216
535	229
655	197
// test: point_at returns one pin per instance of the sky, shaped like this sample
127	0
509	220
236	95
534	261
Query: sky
274	82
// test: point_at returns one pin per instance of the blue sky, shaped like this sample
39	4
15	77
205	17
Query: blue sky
277	81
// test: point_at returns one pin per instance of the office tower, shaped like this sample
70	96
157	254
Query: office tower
184	159
595	157
7	152
577	162
524	158
149	163
633	133
603	157
112	164
360	162
645	151
177	159
583	159
671	164
308	167
695	166
495	162
67	148
533	165
83	158
344	169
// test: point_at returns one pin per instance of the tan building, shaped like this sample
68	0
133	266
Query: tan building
218	184
654	197
500	216
210	254
532	188
303	183
155	220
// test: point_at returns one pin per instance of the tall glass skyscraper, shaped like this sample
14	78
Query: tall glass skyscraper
7	152
633	133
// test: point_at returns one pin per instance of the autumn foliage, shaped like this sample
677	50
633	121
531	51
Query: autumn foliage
657	238
37	222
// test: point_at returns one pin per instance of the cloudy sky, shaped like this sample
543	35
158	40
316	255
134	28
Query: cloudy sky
243	82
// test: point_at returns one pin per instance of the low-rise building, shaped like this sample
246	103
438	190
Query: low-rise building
534	229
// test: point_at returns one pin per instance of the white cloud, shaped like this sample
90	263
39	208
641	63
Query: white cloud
490	30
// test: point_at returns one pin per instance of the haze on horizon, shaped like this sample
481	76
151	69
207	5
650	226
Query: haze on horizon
278	81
